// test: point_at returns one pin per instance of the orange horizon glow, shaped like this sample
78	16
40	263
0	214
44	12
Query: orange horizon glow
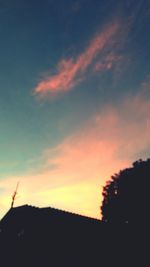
83	162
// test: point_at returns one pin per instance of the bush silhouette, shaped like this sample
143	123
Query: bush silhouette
126	195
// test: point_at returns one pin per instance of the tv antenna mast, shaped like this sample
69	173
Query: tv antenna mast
14	195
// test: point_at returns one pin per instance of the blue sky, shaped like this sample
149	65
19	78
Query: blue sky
74	80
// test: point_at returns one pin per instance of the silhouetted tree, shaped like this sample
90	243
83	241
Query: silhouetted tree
126	196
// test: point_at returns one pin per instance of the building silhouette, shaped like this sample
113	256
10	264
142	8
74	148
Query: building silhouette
31	236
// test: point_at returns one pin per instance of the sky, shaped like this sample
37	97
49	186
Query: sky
74	99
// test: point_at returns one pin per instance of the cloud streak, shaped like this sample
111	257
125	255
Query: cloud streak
71	71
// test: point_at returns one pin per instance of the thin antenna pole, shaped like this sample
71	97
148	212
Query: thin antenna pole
14	195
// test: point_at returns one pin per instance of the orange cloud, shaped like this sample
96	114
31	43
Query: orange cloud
109	141
70	71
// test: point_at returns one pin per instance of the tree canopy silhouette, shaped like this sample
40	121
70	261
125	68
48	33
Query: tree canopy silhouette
126	195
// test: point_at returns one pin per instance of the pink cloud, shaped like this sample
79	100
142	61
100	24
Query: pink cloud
71	71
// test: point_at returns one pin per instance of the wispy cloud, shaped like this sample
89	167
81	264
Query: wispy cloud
71	71
107	62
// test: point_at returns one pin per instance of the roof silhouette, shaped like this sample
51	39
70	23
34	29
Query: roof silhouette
26	231
32	236
31	215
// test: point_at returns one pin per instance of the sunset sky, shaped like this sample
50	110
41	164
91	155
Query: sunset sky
74	98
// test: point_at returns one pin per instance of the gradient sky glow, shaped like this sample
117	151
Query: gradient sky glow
74	98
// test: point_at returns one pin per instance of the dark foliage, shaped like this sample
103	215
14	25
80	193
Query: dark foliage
126	195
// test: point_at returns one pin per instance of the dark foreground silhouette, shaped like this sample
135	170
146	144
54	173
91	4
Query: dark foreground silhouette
48	237
127	195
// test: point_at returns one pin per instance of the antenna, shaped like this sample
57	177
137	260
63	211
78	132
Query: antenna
14	195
